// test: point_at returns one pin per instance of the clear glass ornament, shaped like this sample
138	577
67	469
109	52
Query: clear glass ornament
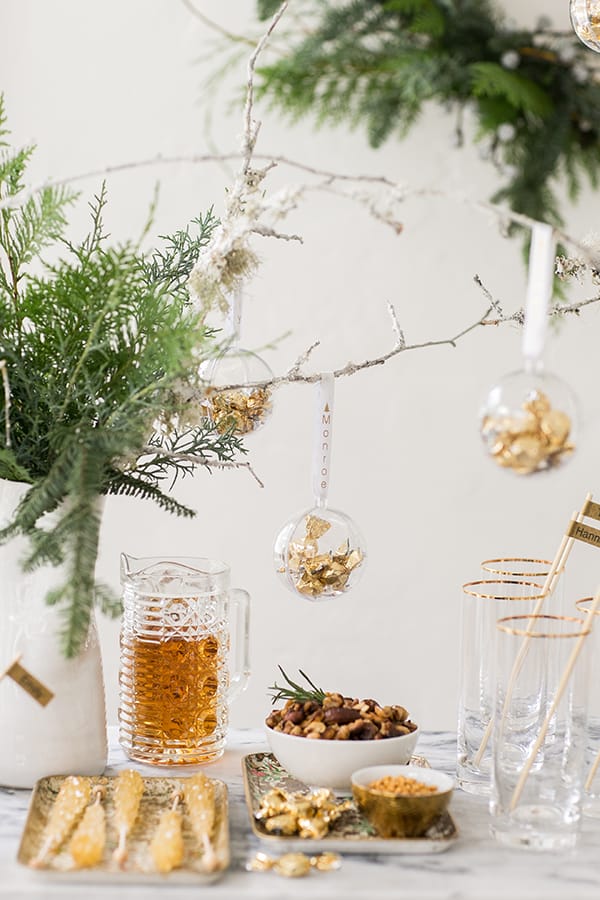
528	421
585	19
320	553
248	404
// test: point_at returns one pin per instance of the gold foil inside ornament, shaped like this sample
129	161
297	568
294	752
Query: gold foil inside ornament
536	437
316	528
244	410
315	573
590	31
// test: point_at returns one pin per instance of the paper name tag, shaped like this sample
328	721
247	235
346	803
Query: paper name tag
592	510
29	683
585	533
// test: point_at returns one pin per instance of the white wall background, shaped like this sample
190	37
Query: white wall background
97	84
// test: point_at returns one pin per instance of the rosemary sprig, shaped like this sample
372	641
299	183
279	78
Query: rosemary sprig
296	691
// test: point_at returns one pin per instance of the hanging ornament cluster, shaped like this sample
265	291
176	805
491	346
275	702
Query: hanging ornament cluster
585	19
527	421
247	404
320	553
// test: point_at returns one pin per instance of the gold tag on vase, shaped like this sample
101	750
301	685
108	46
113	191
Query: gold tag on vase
28	682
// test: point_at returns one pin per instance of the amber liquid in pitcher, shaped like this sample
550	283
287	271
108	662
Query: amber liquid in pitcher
171	704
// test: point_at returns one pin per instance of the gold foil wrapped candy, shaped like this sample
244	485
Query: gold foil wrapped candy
326	862
314	571
306	815
535	436
294	865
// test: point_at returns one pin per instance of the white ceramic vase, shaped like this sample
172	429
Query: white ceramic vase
68	736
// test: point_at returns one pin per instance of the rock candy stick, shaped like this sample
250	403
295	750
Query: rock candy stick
88	841
72	798
166	846
127	795
199	796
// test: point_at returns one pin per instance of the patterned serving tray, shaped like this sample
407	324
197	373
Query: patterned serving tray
352	833
157	797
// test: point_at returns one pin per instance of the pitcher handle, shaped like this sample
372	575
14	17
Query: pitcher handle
239	609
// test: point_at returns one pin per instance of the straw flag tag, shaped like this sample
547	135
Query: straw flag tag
28	682
582	532
592	510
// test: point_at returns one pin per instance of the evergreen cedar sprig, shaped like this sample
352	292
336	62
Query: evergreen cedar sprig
375	64
296	692
97	348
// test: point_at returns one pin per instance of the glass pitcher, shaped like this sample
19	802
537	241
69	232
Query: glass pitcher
184	657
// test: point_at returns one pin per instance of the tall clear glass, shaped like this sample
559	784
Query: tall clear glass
184	657
591	800
483	603
540	718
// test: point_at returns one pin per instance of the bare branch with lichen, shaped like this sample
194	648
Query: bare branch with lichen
252	128
302	359
216	26
294	375
206	461
229	259
555	311
400	339
501	214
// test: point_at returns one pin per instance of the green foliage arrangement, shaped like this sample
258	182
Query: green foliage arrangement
95	348
534	95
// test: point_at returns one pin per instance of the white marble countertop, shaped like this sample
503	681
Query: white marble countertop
475	868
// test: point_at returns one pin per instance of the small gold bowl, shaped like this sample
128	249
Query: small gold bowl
401	815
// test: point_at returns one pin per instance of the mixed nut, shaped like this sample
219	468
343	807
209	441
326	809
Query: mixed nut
337	718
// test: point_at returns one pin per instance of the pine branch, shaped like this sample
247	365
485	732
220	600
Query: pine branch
491	80
107	601
10	468
170	266
135	485
375	66
43	497
93	350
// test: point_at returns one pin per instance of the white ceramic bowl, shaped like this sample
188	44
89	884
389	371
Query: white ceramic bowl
331	763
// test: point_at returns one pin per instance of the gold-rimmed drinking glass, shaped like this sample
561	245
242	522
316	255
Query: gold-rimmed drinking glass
483	603
528	568
591	800
521	567
539	730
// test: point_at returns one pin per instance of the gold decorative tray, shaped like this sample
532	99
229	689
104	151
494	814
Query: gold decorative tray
157	796
352	833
